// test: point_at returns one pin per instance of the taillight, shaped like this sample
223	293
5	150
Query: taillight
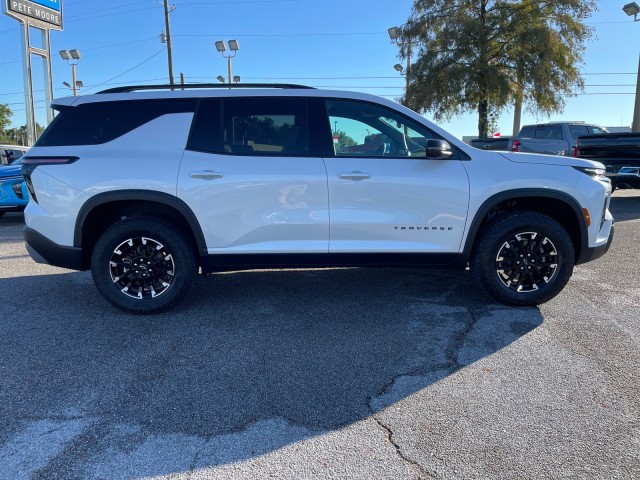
33	162
515	146
29	164
575	149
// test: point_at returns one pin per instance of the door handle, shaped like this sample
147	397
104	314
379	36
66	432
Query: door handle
354	176
206	175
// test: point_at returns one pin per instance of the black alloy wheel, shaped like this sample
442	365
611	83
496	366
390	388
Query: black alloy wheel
143	264
523	258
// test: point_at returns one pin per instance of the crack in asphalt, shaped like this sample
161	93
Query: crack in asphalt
422	473
452	365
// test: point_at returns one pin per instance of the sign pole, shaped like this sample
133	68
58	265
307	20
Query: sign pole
48	75
28	83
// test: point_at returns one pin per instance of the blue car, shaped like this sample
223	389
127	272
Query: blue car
13	189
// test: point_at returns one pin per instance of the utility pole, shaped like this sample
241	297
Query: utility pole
169	54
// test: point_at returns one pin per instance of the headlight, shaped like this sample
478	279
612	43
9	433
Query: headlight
592	171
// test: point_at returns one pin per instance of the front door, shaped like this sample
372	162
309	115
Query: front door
384	194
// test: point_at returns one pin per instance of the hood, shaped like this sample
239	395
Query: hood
10	171
550	160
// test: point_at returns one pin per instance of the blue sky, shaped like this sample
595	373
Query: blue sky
334	44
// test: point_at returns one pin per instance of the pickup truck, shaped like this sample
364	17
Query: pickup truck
554	138
619	152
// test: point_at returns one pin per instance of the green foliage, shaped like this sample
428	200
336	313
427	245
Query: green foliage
5	121
345	140
480	55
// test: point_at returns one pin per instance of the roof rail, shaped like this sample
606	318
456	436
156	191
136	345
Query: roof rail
189	86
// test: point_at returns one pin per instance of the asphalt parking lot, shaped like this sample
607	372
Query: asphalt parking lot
341	373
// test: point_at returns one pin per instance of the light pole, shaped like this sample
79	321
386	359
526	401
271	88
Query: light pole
222	48
395	34
633	9
72	57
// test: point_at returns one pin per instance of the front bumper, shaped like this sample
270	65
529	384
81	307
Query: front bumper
43	250
592	253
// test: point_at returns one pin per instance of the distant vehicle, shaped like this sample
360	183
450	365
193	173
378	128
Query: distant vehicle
504	144
619	152
554	138
10	153
13	190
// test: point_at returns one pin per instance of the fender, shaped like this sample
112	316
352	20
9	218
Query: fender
142	195
494	200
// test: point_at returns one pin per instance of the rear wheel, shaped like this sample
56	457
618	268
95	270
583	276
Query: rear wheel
523	258
143	264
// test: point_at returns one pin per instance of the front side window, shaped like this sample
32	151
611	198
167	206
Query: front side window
265	126
364	129
578	130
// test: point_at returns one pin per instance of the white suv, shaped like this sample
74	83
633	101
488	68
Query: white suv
148	185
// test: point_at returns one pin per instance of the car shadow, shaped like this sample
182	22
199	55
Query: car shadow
625	205
250	363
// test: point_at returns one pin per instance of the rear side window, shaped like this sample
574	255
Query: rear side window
265	126
547	132
96	123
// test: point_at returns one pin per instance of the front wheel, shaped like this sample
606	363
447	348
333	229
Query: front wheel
143	264
523	258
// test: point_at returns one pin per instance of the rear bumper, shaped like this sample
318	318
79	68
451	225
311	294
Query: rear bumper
592	253
43	250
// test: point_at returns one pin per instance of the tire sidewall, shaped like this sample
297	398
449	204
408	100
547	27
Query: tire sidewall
159	230
504	228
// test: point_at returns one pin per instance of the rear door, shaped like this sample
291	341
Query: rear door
254	178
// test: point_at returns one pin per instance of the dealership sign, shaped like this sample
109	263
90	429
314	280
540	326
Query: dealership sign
41	13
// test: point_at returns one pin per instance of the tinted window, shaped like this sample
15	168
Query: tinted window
8	155
597	130
265	126
578	130
364	129
205	133
95	123
547	132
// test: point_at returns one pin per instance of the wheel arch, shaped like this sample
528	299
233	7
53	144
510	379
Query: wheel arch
560	206
104	209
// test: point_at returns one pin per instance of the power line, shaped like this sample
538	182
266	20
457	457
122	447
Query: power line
127	71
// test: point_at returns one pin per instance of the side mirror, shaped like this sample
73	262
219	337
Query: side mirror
438	149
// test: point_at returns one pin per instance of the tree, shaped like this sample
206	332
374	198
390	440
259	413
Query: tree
345	140
5	121
482	55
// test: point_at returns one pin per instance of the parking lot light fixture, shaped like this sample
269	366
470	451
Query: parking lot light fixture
220	78
236	79
398	67
394	33
632	9
222	48
72	57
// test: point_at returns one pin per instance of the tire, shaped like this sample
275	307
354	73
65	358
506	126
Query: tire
523	258
132	285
